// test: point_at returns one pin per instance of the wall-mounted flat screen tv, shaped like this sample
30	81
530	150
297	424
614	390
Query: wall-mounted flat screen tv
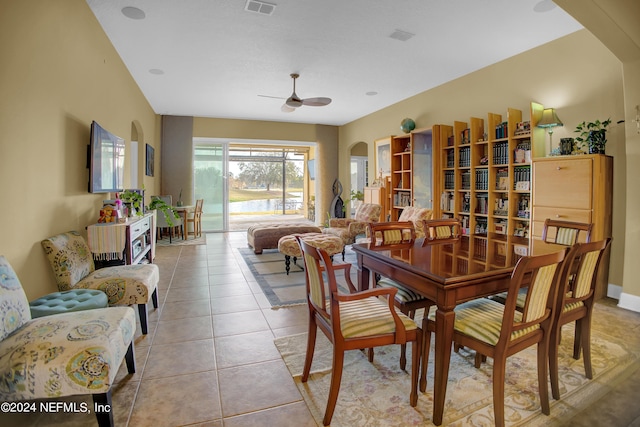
106	161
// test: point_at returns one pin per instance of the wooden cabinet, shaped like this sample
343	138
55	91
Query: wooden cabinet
412	168
484	179
379	196
132	242
140	245
575	188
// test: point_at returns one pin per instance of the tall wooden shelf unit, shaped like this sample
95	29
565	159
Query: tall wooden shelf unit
401	174
484	179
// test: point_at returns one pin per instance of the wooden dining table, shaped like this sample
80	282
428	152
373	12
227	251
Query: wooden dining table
442	273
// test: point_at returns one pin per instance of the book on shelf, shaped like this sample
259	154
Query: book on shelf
502	179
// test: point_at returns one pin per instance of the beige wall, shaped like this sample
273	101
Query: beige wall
576	74
59	72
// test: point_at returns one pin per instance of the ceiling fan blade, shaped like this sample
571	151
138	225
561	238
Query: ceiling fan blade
286	109
316	102
274	97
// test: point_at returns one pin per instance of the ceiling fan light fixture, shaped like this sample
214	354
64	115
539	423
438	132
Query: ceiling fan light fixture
294	101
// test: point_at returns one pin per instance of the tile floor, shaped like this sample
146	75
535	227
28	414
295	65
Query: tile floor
209	358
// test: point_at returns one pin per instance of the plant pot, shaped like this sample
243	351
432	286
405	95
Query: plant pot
596	141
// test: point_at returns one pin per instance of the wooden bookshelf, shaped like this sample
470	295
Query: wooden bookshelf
484	179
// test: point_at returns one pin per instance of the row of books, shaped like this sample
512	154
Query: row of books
465	157
480	249
482	179
482	203
447	201
502	130
402	199
522	153
466	180
451	158
449	180
502	179
521	174
501	153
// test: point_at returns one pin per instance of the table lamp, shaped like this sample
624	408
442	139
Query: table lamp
549	120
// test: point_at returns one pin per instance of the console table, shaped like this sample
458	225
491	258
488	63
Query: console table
132	242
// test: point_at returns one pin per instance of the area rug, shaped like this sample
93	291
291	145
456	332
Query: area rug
178	241
281	289
377	394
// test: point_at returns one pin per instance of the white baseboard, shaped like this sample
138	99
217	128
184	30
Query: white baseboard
614	291
626	301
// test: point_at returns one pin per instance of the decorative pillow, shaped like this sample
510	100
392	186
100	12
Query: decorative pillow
14	306
416	215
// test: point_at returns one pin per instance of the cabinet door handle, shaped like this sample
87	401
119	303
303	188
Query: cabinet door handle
559	168
558	216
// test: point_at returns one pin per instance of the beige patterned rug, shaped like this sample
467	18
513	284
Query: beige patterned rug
378	394
280	288
177	241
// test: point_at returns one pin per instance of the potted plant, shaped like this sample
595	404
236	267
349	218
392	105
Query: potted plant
593	136
133	200
161	205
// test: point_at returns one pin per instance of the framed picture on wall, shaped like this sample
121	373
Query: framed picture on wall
149	161
383	158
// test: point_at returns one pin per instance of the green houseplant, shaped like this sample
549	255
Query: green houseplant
161	205
592	136
133	200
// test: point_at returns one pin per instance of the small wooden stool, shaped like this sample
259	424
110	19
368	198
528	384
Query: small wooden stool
288	245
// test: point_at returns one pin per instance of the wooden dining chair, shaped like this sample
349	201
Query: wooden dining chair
499	331
565	232
575	304
195	218
352	321
444	230
391	236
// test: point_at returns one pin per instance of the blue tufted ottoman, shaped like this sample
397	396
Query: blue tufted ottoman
63	302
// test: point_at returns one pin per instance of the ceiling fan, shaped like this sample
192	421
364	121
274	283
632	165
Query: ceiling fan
294	101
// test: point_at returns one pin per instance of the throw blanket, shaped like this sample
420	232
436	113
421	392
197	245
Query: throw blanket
106	242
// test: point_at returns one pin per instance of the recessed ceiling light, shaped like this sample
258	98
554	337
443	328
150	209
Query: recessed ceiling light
156	71
133	12
544	6
371	93
401	35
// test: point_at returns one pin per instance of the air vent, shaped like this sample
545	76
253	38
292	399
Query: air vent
401	35
261	7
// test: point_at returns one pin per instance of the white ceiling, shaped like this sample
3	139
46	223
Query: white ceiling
216	58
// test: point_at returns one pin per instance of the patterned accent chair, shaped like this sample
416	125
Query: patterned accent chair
500	331
575	304
347	228
73	268
417	216
565	232
352	321
74	353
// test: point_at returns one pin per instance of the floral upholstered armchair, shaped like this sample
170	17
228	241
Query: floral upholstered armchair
67	354
417	216
348	228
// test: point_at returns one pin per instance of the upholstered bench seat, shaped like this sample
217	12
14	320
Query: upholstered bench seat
289	247
262	236
73	300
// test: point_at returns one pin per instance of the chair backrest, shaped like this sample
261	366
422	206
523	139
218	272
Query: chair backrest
442	230
168	199
390	233
315	262
540	275
198	210
565	232
14	306
417	216
580	273
163	222
70	258
368	212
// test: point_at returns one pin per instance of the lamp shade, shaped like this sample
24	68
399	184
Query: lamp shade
549	119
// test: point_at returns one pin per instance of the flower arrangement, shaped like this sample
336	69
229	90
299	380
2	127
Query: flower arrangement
133	200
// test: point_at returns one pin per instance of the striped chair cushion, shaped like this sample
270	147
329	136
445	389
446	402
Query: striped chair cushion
572	306
405	295
582	284
566	236
482	320
370	316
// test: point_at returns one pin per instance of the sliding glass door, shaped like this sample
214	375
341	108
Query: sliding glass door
210	183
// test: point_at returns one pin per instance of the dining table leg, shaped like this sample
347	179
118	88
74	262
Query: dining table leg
445	320
363	275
